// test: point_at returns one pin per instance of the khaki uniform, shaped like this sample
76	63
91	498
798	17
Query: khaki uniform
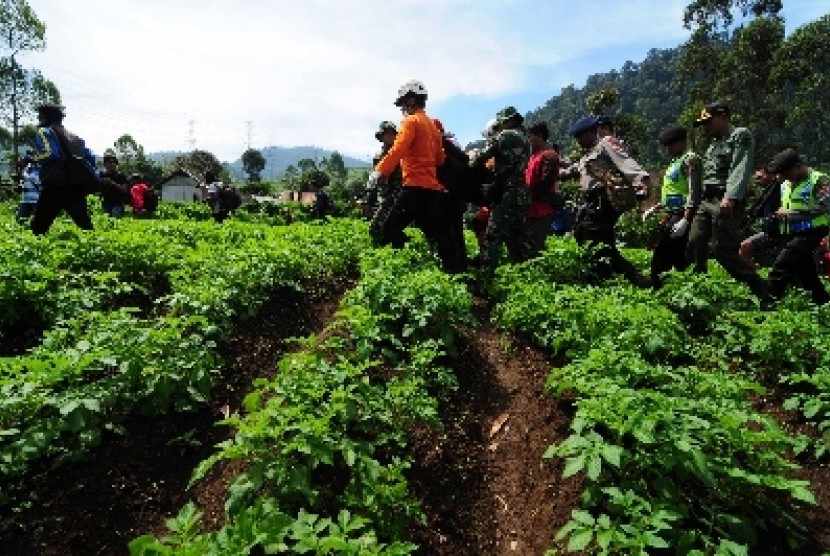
727	169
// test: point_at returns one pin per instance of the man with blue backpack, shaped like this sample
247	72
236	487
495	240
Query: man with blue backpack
67	171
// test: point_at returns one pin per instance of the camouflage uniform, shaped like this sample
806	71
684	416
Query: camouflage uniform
727	169
508	211
387	192
597	217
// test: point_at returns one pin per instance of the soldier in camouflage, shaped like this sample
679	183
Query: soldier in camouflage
386	190
602	164
509	197
726	171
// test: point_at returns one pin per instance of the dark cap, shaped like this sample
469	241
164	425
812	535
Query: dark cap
384	126
671	134
109	157
783	161
509	113
711	110
51	110
583	124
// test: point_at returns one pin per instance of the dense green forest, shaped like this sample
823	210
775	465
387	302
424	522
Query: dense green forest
776	86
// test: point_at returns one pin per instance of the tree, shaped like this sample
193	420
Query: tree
306	165
745	81
254	163
801	75
705	55
289	178
720	13
127	150
603	100
198	163
131	159
21	31
336	168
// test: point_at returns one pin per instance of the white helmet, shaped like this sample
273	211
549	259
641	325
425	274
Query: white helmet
490	129
413	87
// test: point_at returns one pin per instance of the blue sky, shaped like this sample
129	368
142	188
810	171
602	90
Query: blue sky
221	75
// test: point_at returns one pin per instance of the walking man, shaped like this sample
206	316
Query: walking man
679	197
804	221
418	149
727	169
53	143
602	162
510	197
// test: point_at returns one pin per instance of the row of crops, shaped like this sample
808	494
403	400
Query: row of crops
126	320
674	452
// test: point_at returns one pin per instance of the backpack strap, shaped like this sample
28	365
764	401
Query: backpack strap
61	141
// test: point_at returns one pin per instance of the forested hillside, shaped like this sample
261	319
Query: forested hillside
648	92
773	83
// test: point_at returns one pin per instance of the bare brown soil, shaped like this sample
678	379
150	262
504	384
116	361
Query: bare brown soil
484	487
482	480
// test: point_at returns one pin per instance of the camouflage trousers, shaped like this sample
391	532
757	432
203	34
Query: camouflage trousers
508	226
386	200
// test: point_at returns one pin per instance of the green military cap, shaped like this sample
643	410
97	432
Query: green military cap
509	113
384	126
711	110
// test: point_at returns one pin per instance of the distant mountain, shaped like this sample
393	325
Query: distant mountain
277	159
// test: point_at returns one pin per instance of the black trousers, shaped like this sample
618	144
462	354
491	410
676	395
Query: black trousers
795	263
430	209
54	200
669	252
602	236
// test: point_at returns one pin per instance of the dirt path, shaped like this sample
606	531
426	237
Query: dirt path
484	485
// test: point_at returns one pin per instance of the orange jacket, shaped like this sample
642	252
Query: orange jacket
418	150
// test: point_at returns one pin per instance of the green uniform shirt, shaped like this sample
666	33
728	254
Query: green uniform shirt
511	151
727	164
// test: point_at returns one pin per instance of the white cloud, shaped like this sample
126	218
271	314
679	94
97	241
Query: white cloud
317	72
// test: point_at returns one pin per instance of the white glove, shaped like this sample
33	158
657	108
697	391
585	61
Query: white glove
648	213
679	228
373	180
